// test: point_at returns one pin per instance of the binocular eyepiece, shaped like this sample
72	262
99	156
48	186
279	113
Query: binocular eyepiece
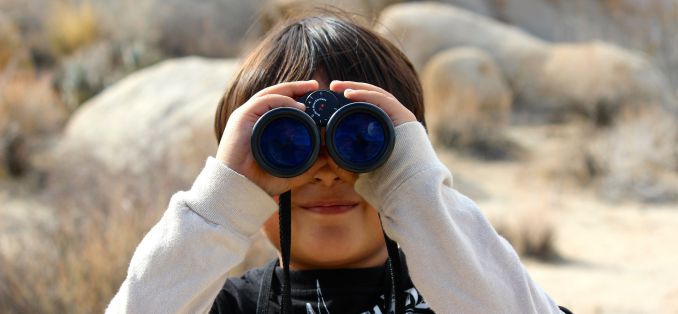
359	136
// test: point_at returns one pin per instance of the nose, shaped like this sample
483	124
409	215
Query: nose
325	175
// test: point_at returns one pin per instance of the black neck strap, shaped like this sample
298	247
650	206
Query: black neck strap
396	274
265	288
285	220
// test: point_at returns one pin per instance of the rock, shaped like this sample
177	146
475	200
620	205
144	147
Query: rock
640	25
366	11
127	150
626	98
598	79
545	78
468	102
211	28
162	115
475	6
418	29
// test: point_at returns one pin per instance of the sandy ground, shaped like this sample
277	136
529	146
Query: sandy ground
617	257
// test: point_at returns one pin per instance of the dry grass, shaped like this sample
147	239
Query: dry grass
10	41
28	101
30	113
76	261
530	230
73	267
72	26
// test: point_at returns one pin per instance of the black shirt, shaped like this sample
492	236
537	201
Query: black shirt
317	291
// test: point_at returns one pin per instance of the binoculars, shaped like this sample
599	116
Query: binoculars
359	136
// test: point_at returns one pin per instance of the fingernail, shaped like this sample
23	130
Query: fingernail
348	90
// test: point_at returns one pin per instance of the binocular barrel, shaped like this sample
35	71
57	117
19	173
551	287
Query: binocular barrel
358	136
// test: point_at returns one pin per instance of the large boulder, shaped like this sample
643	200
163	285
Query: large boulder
127	150
640	25
468	102
475	6
162	115
422	29
418	29
546	79
212	28
363	10
598	79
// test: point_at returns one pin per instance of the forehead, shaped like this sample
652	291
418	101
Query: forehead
323	81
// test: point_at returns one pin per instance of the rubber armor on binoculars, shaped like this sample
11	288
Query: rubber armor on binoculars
359	136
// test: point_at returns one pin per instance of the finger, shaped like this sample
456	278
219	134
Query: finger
260	105
341	86
378	99
290	89
393	108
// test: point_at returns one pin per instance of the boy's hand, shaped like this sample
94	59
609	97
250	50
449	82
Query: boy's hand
234	148
364	92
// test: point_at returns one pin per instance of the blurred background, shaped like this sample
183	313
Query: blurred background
557	116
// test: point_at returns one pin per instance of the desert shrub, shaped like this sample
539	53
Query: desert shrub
211	28
28	101
75	262
637	158
72	26
30	114
529	228
85	73
74	266
10	41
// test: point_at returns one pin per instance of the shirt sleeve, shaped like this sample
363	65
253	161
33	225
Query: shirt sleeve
456	259
182	263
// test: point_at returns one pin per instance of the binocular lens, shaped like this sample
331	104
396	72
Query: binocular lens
360	139
286	143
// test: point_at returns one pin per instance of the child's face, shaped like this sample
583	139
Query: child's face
332	225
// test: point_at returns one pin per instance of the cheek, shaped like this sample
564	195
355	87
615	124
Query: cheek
271	229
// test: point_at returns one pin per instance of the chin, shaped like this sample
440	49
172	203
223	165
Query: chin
339	253
347	239
325	262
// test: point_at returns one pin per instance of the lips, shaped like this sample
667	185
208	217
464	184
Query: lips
329	207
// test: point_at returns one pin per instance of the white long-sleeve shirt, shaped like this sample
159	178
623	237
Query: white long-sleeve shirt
455	258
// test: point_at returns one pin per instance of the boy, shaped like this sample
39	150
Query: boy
338	254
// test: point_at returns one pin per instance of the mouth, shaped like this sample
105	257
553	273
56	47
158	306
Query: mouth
329	208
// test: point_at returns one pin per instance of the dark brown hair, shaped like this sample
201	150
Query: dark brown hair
335	45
